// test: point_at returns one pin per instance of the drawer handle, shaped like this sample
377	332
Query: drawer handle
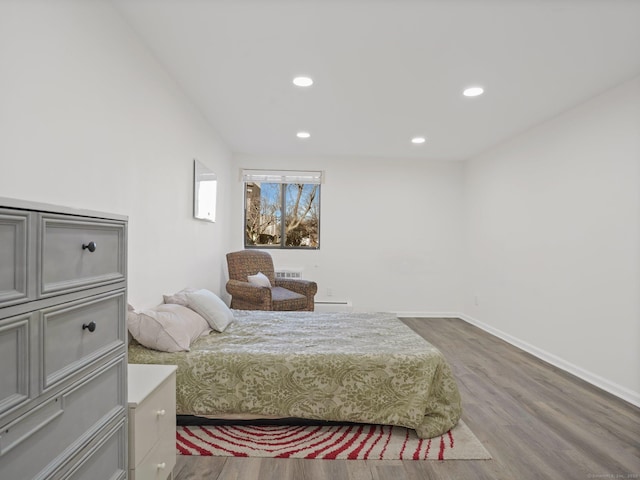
91	246
162	466
91	326
161	413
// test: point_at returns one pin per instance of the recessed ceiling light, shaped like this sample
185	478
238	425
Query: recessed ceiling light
418	140
303	81
473	91
303	134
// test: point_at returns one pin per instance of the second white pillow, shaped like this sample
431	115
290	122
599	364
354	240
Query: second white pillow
211	307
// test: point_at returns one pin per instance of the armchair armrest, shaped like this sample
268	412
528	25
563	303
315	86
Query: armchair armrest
247	296
303	287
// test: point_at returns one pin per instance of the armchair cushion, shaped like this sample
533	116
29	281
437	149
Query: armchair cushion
284	299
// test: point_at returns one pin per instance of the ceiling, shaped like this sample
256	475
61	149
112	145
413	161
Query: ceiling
387	70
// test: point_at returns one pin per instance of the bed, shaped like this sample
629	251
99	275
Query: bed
355	367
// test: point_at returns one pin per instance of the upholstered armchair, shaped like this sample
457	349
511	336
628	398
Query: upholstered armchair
260	294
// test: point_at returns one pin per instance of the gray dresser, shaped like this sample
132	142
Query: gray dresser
63	370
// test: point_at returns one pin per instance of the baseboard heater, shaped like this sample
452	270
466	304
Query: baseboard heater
333	306
293	273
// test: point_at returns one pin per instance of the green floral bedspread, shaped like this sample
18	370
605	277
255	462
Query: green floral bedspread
357	367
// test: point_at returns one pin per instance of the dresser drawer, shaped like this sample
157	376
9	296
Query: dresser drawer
16	379
105	460
153	419
37	444
77	253
14	250
76	334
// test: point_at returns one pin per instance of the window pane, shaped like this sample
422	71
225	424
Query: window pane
263	214
302	219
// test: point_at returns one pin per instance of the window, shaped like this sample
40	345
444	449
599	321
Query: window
282	209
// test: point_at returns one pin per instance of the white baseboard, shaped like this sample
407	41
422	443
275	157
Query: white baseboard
427	314
333	306
600	382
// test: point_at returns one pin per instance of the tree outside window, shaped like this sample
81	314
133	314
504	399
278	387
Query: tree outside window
282	215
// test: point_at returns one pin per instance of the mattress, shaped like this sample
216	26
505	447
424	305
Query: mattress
350	367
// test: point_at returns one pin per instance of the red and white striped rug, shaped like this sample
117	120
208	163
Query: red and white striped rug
347	442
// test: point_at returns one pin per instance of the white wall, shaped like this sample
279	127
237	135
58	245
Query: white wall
553	237
390	232
547	225
89	119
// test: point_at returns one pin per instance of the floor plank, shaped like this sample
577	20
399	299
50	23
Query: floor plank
536	421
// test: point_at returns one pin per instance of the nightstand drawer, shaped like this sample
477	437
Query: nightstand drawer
154	417
79	253
93	326
159	462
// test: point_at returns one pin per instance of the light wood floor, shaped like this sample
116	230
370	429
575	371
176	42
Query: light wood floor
537	422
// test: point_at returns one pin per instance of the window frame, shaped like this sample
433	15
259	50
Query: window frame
284	178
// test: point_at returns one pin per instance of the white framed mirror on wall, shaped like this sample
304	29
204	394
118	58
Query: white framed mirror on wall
205	187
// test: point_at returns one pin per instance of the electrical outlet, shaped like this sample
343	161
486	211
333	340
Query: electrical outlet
476	300
329	292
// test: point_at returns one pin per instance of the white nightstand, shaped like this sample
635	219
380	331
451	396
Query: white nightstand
152	421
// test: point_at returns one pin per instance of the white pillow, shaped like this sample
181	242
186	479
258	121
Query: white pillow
168	328
259	279
214	310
